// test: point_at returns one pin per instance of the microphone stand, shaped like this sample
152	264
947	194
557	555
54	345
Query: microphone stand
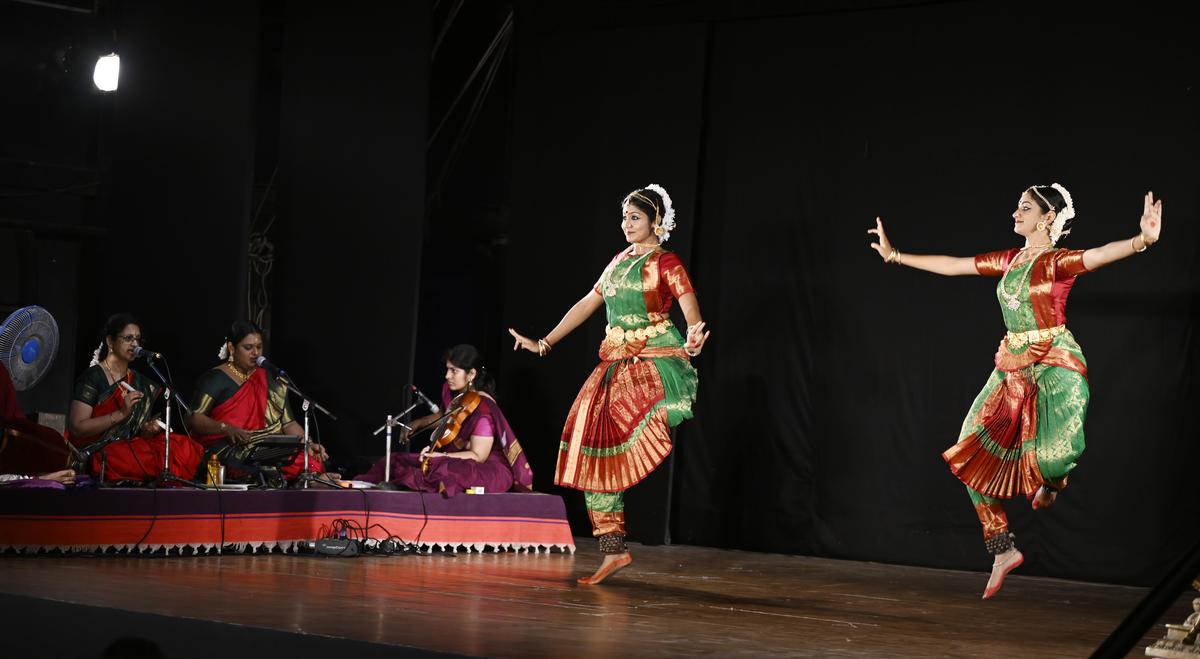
166	476
305	477
392	421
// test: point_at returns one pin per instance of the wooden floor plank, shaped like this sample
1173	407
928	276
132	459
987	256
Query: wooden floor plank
673	601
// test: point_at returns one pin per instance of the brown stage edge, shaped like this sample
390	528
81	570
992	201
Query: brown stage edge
673	601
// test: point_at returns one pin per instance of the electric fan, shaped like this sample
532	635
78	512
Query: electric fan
28	345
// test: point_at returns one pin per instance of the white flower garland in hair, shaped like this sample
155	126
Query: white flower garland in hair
1060	220
96	355
668	218
223	353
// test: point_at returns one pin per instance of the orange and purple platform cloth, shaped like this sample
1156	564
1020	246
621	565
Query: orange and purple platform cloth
202	521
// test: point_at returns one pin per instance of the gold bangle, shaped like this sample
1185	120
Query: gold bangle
1134	247
543	347
1147	243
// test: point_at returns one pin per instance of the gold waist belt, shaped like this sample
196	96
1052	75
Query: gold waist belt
618	335
1018	339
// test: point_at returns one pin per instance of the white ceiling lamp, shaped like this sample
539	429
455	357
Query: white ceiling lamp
108	72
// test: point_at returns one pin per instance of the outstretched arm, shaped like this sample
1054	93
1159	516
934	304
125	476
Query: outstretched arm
579	312
943	265
1151	226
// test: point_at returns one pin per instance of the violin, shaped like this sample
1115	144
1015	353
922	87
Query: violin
447	431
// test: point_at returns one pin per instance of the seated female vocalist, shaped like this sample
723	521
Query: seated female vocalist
236	404
111	418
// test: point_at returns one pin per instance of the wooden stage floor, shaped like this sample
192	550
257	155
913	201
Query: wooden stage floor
673	601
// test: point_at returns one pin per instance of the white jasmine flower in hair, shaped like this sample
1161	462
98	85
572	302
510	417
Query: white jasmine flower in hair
668	217
96	355
1060	219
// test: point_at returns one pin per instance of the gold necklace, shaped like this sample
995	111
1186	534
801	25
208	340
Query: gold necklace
610	286
112	375
1010	299
242	375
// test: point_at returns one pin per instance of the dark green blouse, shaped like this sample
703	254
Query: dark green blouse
215	387
92	389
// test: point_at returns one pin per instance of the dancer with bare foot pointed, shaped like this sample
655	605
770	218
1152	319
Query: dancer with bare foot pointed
618	430
1024	432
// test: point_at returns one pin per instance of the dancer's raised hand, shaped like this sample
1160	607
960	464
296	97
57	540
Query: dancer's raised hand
884	246
1151	222
696	336
525	342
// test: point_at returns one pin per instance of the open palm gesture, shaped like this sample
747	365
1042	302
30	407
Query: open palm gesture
1151	217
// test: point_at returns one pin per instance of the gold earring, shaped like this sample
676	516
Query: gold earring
658	230
1041	226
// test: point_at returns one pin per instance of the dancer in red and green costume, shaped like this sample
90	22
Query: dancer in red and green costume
235	404
1024	433
619	428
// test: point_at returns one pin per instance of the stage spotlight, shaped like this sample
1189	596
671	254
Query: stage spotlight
108	72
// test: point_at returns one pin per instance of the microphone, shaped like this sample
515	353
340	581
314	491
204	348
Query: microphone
139	352
263	363
428	403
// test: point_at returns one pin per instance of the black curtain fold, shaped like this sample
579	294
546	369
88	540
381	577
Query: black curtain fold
352	181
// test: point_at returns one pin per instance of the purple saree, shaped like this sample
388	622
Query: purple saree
505	469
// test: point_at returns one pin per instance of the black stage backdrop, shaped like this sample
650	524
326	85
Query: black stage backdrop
179	184
352	173
48	120
832	382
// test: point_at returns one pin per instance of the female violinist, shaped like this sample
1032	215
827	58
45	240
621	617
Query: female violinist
472	444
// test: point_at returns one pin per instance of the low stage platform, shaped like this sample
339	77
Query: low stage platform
201	521
673	601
